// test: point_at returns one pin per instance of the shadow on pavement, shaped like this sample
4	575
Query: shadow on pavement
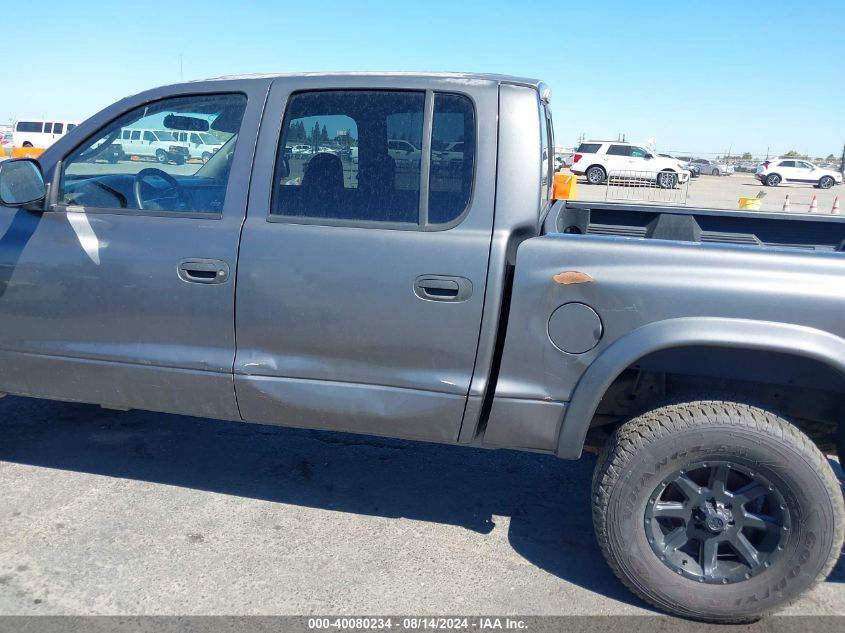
547	500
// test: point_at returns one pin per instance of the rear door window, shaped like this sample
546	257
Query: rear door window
619	150
58	128
357	156
452	158
342	167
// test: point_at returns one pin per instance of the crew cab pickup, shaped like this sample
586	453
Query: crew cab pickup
701	352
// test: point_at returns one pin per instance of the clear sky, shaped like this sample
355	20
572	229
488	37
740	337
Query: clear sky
696	76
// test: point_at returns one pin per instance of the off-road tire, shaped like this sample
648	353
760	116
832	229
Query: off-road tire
646	450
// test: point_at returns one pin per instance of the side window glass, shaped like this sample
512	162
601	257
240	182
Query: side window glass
104	173
638	152
787	163
47	128
619	150
58	128
452	157
335	158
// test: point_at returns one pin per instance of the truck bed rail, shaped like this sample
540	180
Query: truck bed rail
802	231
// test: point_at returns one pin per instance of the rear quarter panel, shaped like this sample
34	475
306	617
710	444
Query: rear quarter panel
637	283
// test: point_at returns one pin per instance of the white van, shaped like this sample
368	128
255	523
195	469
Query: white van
40	133
200	144
159	144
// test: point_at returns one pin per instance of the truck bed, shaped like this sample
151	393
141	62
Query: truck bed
791	230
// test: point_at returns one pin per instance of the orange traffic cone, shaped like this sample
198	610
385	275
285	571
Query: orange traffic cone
814	206
835	209
786	208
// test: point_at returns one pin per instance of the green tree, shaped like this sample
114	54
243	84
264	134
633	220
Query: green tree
830	157
747	156
315	133
324	134
792	154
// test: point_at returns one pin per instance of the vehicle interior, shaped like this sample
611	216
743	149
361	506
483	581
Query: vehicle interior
100	175
375	187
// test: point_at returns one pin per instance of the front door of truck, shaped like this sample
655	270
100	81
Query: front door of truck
123	292
361	277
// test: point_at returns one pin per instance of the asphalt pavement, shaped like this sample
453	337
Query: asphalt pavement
129	513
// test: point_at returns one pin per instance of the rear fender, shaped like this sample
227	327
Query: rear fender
681	332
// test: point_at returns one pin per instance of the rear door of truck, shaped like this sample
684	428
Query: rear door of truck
361	278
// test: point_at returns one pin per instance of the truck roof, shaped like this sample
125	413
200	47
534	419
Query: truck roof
509	79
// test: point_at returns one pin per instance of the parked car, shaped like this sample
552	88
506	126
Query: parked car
694	170
700	352
746	167
302	150
451	156
404	153
599	159
712	167
791	170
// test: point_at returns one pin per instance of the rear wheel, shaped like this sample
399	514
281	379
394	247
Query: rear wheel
161	156
716	510
826	182
206	156
772	180
666	180
595	175
715	172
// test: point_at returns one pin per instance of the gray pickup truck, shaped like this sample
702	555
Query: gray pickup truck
700	352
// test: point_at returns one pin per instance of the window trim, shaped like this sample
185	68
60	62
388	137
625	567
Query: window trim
425	168
54	206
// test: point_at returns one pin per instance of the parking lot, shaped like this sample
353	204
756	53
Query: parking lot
103	512
723	192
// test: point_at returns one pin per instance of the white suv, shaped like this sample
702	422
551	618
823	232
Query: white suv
599	159
774	172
